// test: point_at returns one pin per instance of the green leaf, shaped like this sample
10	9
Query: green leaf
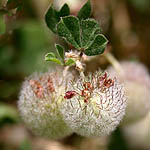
82	35
64	11
69	29
52	16
60	51
90	28
69	62
98	46
51	57
85	11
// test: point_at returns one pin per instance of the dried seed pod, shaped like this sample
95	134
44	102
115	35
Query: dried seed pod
39	103
137	83
97	106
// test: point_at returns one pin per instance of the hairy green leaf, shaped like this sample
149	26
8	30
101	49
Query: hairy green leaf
51	57
60	51
84	34
69	29
69	62
85	11
81	32
97	47
90	28
52	16
64	11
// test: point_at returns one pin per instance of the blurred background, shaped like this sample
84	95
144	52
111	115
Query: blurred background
24	41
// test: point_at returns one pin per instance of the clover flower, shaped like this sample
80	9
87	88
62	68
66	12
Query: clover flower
94	105
137	83
39	103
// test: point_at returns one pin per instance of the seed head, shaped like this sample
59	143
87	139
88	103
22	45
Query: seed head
39	103
96	107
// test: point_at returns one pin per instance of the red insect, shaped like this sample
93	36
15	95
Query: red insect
69	94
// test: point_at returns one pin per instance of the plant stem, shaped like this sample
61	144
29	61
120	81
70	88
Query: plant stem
65	71
82	74
114	63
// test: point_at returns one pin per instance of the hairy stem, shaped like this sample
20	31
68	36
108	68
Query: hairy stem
65	71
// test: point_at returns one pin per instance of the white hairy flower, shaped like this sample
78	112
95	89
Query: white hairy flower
94	106
137	84
39	103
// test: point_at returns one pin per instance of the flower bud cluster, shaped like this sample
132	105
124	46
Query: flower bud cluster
55	106
77	58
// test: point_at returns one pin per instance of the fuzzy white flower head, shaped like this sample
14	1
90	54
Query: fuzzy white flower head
94	106
137	84
39	102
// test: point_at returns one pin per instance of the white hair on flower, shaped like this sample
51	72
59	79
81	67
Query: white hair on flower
95	105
